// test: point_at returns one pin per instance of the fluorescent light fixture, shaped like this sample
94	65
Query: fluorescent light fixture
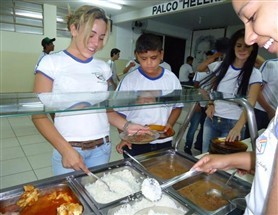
105	4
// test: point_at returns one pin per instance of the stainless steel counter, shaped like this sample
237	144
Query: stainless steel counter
161	165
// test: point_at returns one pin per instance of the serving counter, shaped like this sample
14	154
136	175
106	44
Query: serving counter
189	195
161	165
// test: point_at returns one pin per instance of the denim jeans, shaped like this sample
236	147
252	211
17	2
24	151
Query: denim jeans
217	127
194	123
91	158
199	139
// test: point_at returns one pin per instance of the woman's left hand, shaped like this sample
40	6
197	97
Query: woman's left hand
234	134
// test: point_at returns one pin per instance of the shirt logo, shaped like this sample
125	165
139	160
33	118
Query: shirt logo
261	144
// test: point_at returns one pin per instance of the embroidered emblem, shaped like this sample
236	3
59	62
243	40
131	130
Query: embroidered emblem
261	144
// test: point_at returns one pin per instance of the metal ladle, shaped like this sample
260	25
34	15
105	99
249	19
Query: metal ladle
218	193
153	185
98	178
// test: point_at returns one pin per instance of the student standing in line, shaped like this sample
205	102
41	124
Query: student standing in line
114	54
150	76
186	73
235	75
268	97
48	47
81	139
260	20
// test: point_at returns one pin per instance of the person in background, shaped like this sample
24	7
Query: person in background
267	101
80	139
48	47
199	115
114	54
165	65
235	75
150	76
260	20
186	73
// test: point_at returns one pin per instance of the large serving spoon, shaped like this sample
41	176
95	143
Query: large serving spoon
152	190
134	159
98	178
218	193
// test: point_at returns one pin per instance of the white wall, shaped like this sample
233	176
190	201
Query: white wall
19	52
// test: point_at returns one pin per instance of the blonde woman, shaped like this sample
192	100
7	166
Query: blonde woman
80	140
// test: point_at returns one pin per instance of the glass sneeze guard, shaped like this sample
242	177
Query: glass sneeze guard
14	104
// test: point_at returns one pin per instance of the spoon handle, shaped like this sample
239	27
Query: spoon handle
179	178
230	178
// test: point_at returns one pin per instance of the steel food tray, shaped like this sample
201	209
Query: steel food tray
82	180
134	207
193	192
8	198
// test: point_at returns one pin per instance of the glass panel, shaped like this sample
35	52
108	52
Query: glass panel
6	11
28	21
61	33
28	29
7	27
12	104
6	19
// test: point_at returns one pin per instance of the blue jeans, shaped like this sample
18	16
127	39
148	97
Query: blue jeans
194	123
91	158
217	127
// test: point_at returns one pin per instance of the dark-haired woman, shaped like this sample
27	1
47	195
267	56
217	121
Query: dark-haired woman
236	75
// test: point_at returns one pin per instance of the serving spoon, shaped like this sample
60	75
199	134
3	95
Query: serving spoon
98	178
218	193
152	190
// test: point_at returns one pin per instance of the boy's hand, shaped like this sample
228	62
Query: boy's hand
119	147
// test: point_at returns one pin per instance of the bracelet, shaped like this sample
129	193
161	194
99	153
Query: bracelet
126	125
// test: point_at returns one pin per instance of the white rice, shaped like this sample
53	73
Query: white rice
122	183
132	209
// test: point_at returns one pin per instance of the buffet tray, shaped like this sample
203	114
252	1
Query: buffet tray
9	198
81	181
183	161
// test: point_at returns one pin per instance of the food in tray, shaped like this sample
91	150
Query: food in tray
136	207
140	138
197	193
69	209
29	197
51	201
160	129
166	169
122	183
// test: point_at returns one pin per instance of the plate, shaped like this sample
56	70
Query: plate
160	129
159	210
140	138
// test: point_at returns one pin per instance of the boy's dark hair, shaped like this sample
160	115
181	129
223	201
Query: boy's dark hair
114	51
189	58
148	42
243	78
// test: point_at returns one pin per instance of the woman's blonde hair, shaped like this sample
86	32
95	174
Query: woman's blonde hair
86	16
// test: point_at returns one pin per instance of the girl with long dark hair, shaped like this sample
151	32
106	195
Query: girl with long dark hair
236	75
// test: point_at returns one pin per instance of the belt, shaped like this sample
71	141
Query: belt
89	144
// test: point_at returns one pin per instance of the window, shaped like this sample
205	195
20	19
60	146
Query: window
19	16
62	29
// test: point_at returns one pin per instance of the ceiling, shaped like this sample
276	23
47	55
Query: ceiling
214	16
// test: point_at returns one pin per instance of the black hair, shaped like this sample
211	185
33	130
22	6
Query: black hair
189	58
148	42
114	51
212	81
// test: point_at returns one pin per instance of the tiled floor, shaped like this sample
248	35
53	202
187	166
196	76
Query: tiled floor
26	155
